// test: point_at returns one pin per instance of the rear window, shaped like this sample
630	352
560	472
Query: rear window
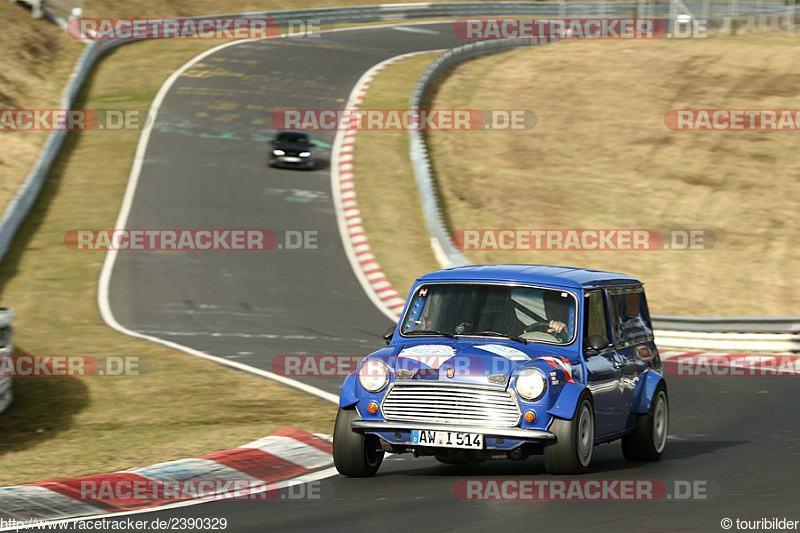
630	319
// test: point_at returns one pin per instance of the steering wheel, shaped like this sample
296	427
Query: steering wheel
539	326
539	332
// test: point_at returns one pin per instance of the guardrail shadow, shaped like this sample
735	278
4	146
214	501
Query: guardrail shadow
27	232
42	409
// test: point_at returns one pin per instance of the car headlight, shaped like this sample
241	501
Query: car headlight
305	154
531	383
278	152
373	375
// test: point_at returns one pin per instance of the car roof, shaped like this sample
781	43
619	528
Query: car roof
545	275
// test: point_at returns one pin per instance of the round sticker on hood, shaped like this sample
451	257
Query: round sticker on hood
429	349
506	351
432	355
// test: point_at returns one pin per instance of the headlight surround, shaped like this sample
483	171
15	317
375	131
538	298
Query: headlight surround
373	375
531	384
305	154
278	152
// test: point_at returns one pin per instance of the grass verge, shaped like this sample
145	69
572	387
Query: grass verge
600	156
185	406
37	61
387	194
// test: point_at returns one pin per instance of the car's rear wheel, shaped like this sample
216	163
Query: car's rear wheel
572	451
354	454
648	440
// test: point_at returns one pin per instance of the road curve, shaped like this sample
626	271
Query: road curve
205	168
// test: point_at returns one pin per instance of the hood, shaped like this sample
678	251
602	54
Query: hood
476	361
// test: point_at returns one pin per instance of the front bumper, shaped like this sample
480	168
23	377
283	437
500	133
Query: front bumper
281	161
526	435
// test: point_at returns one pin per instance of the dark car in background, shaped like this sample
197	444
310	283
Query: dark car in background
292	149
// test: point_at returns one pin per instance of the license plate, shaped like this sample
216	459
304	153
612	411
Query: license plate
446	439
292	159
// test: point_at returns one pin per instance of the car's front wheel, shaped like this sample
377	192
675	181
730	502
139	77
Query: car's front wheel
572	451
354	454
649	438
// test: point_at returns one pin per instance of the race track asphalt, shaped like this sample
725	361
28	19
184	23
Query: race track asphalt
206	168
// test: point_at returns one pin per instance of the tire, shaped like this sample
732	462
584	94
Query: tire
572	451
354	454
648	440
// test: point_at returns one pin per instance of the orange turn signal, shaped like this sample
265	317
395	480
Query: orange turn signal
530	416
372	407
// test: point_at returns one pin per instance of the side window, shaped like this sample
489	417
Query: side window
630	319
595	315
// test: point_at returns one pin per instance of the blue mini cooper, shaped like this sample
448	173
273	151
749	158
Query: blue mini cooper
506	361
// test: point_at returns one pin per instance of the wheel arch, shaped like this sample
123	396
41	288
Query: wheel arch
348	397
646	390
567	401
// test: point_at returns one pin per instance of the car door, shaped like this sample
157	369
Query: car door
604	368
633	339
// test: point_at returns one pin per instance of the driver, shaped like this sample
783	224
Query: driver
556	310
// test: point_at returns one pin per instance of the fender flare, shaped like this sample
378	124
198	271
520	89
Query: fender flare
645	390
347	396
567	401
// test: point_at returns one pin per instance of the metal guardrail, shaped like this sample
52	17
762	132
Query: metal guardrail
6	348
447	254
21	204
734	324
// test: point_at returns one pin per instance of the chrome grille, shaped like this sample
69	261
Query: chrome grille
451	405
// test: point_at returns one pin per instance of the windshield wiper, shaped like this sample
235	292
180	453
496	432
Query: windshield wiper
430	332
487	333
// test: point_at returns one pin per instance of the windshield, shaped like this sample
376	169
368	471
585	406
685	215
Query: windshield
291	138
528	313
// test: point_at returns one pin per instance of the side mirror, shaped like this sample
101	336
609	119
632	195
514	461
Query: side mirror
389	333
594	345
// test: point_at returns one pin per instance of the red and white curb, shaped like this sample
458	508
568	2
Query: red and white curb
725	364
351	227
283	455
